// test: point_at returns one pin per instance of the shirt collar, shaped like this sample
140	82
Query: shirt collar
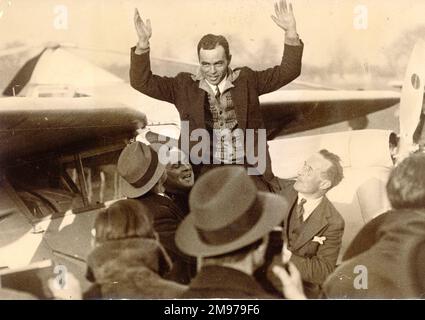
310	205
225	84
221	85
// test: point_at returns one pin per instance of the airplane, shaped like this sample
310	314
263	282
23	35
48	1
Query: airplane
300	106
61	115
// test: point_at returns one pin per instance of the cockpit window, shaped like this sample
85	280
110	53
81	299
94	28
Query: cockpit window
54	187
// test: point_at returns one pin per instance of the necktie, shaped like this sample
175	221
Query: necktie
300	210
217	93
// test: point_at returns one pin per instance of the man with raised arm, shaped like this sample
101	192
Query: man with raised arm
221	102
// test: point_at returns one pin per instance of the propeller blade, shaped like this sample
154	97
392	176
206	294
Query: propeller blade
412	96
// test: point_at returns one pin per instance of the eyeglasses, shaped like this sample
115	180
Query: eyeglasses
306	169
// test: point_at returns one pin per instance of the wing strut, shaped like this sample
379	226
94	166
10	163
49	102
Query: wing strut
83	187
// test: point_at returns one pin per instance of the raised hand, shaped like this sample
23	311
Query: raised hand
286	254
144	30
291	281
285	18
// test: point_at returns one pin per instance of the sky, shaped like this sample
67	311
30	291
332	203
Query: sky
364	32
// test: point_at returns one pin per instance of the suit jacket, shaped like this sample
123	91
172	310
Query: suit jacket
386	262
223	282
366	237
185	93
314	261
181	200
167	216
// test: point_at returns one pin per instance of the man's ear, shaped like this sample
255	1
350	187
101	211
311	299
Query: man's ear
325	184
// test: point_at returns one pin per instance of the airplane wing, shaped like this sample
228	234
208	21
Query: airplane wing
288	111
37	125
300	106
35	201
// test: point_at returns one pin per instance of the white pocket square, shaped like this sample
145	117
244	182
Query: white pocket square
319	240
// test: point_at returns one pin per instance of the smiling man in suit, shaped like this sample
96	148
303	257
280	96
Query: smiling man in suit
313	228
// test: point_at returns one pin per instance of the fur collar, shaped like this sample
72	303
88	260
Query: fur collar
130	269
113	260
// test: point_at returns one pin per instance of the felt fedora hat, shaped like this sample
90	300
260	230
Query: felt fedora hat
139	168
227	212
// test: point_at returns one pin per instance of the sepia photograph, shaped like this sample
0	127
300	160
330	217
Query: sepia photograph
212	149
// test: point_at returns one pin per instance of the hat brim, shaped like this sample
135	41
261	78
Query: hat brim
131	192
274	208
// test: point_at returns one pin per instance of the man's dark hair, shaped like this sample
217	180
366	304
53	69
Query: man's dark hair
236	255
335	172
210	41
406	184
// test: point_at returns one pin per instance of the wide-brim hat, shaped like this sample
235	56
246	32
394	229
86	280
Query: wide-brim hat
227	213
139	168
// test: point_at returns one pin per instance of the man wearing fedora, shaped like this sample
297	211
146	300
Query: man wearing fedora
312	229
386	259
180	176
227	230
143	177
180	179
221	101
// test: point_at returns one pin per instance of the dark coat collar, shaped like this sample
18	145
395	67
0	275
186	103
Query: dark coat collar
222	278
157	200
393	256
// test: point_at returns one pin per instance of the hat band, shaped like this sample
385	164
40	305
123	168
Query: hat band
234	230
149	172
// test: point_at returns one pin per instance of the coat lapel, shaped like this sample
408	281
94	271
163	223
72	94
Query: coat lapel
316	222
291	196
239	95
198	110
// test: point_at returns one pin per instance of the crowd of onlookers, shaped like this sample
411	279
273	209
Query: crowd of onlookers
223	238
